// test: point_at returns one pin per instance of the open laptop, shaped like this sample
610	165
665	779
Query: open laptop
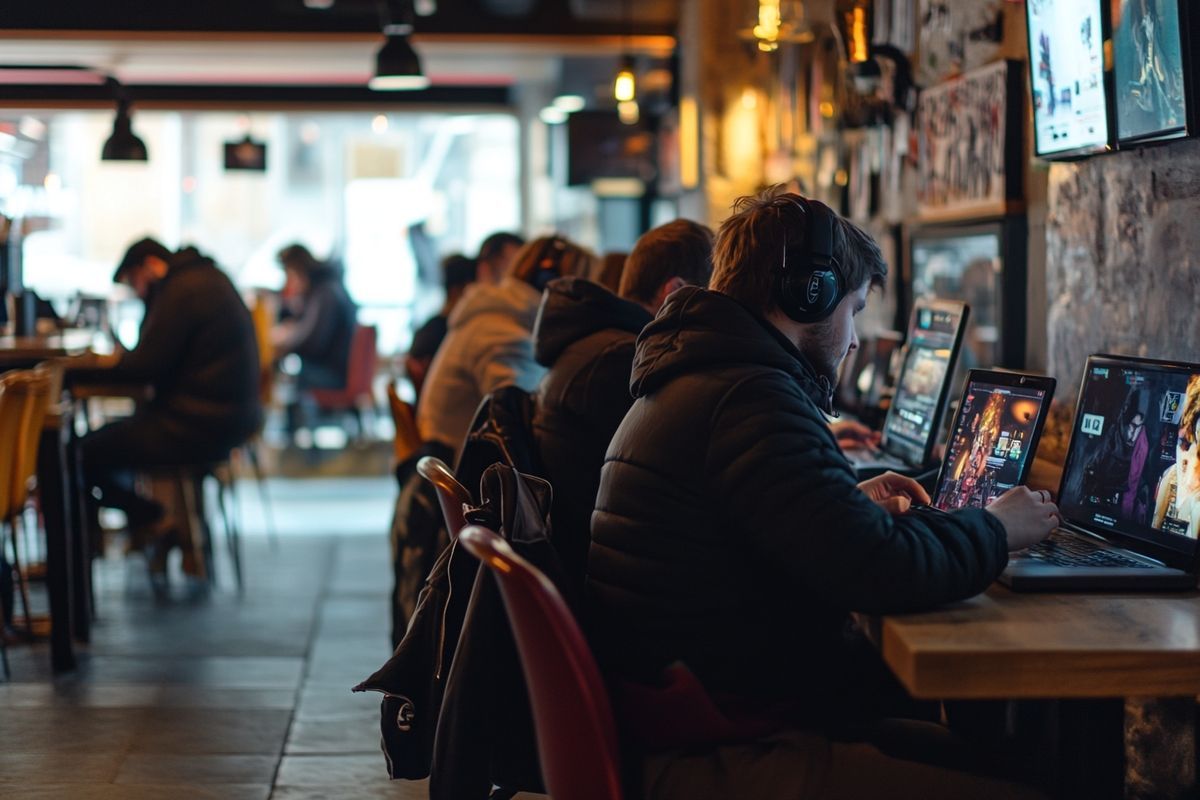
935	335
993	439
1130	492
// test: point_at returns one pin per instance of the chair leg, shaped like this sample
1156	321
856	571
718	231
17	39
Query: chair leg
4	621
232	534
202	550
261	479
22	584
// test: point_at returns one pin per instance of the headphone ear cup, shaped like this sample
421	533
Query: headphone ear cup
809	295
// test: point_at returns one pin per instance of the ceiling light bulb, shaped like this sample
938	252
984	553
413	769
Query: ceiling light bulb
552	115
628	112
625	85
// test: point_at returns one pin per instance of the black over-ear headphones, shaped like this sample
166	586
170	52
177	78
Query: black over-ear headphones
549	262
811	283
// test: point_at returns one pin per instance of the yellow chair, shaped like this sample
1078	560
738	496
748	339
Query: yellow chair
408	438
24	400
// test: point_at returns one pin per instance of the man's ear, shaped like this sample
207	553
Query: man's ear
664	291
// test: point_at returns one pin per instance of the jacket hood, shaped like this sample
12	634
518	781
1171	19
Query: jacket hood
511	298
697	330
573	309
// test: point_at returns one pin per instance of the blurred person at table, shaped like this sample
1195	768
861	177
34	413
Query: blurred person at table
458	272
496	255
731	539
490	339
197	352
319	328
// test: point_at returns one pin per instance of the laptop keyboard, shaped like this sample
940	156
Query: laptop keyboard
1072	551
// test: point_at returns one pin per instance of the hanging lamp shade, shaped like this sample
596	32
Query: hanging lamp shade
397	65
123	145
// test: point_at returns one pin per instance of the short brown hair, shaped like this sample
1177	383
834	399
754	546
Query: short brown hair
748	254
679	249
298	258
551	252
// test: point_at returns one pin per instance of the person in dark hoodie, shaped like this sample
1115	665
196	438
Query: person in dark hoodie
197	351
731	539
321	331
584	335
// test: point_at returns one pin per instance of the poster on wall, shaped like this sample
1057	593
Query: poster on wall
969	144
1066	62
1148	70
956	35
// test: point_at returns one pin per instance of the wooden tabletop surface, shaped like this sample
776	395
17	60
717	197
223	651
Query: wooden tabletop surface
1004	644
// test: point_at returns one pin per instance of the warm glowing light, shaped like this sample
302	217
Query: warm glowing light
826	109
629	112
858	35
379	124
749	98
52	182
569	103
767	29
552	115
841	177
689	143
625	86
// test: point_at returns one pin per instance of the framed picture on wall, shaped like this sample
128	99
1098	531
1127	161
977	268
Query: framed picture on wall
1153	70
969	134
981	263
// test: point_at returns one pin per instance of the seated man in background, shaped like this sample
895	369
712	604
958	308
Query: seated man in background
321	329
197	351
458	272
585	336
490	341
731	537
496	256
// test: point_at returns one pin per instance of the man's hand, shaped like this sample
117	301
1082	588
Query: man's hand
1028	516
894	493
852	435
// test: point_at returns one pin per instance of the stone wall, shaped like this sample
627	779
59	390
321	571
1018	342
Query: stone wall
1123	258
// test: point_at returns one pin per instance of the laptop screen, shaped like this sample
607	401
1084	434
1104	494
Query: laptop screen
1132	467
992	443
934	335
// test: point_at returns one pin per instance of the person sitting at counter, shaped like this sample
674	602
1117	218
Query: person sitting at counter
731	540
197	352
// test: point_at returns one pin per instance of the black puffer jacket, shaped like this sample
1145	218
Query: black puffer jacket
197	348
729	532
585	334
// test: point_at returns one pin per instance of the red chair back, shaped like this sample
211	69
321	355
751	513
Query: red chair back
360	372
576	735
451	494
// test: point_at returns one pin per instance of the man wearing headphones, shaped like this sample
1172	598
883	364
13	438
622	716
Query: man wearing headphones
731	540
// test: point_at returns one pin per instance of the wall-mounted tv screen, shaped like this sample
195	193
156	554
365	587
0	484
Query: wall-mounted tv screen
599	145
247	155
1066	66
964	264
1149	74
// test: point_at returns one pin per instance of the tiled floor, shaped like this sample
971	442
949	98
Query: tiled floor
233	697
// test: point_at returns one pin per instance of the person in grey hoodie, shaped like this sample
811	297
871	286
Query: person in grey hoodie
489	343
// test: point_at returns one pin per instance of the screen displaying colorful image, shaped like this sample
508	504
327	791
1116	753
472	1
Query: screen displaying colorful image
1133	463
916	404
993	436
1066	46
1148	69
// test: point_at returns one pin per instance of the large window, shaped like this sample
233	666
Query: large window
385	194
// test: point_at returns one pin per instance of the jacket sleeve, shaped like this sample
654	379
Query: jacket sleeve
314	329
606	387
507	361
164	334
786	484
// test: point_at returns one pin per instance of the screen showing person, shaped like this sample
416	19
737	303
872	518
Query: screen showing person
923	374
1066	46
1148	69
993	438
1133	460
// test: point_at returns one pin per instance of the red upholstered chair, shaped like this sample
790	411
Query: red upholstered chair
576	735
360	375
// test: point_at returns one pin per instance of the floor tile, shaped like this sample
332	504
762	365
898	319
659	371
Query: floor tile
359	771
314	737
188	731
159	792
22	769
159	768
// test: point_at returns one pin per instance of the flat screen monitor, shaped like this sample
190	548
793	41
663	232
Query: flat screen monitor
599	145
1149	75
934	336
964	264
1066	65
247	155
1133	465
993	439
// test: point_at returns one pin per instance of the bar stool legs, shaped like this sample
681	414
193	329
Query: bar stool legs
18	570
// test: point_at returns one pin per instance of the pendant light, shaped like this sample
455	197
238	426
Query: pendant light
397	65
123	144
